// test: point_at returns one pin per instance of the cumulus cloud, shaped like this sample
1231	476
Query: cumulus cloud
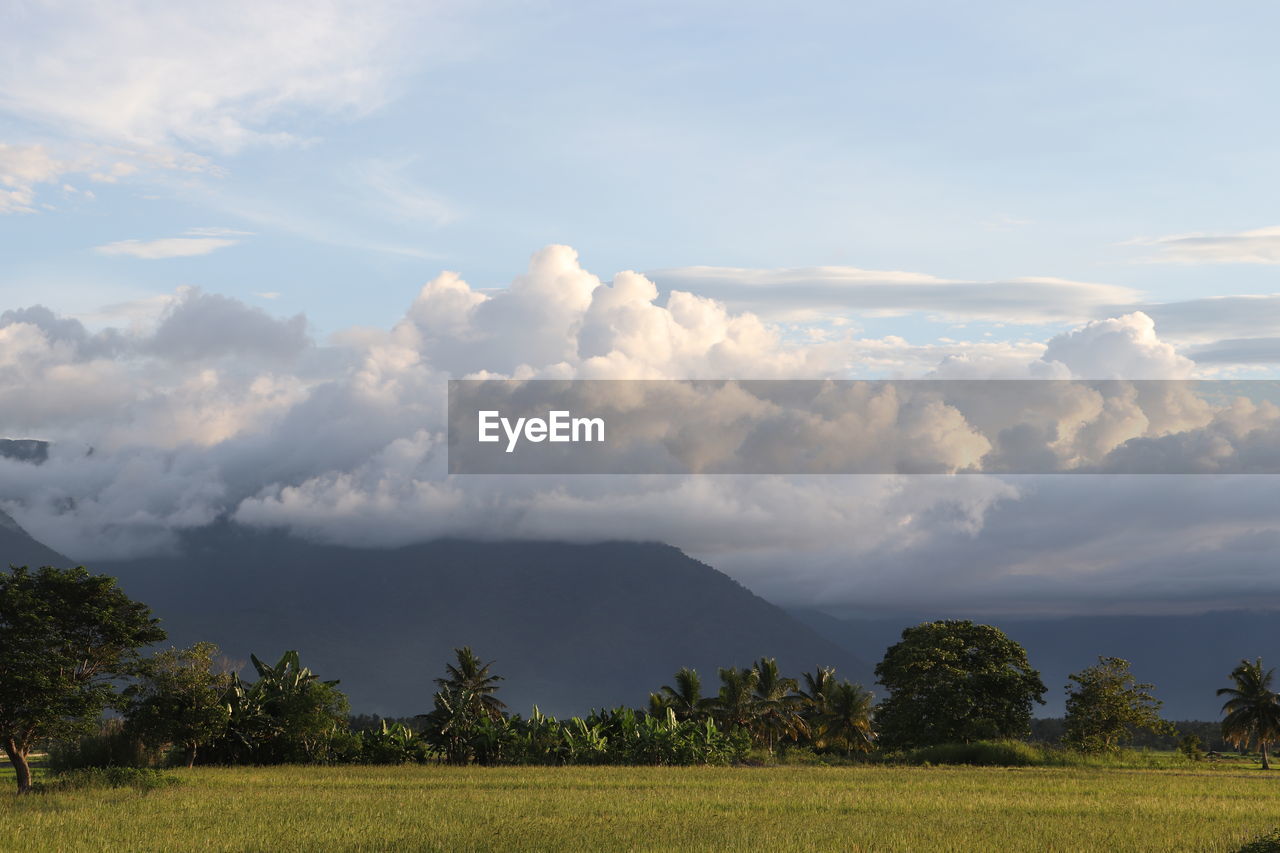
212	408
1258	246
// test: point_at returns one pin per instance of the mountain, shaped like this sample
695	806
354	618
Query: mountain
1186	657
18	548
570	626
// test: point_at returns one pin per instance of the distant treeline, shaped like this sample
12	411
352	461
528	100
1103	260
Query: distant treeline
69	640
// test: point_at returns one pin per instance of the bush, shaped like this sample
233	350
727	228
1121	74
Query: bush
1268	843
982	753
110	746
139	778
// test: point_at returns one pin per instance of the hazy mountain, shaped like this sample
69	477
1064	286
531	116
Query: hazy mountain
24	450
570	626
1186	657
17	548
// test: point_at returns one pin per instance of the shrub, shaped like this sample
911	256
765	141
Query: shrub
88	778
110	746
983	753
1267	843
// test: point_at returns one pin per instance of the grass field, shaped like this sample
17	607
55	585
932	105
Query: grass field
586	808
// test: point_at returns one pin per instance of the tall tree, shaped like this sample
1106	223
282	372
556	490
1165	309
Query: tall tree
775	711
65	635
1252	709
1106	704
472	677
734	705
180	698
685	697
846	721
955	681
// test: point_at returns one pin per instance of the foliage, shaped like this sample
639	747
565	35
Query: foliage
180	699
1106	704
89	778
685	698
1192	747
1268	842
110	746
982	753
1252	708
955	681
64	636
287	716
392	743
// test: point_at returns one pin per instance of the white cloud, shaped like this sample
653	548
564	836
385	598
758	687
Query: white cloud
851	290
205	407
152	74
22	168
1258	246
167	247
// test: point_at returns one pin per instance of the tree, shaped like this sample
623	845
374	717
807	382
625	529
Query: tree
288	715
473	677
845	722
775	712
180	698
1106	704
64	636
734	705
464	699
1253	709
954	681
685	698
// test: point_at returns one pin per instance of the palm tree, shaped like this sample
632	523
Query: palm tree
846	720
775	711
1253	709
471	679
685	698
734	705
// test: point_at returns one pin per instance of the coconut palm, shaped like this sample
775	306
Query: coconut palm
685	698
1253	709
734	705
846	720
776	713
471	679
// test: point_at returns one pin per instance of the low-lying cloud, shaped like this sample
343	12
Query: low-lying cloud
218	409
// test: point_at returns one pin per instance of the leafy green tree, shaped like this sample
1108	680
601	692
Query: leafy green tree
1252	709
955	681
464	699
64	636
1107	704
180	698
289	715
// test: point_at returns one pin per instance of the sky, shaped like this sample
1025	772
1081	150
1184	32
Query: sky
243	246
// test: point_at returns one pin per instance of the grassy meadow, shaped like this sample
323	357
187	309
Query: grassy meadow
657	808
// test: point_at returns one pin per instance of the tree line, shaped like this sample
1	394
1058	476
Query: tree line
71	648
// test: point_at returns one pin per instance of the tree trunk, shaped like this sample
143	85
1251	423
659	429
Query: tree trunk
1266	765
21	768
191	755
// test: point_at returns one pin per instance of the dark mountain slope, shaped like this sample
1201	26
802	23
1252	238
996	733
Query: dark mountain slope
17	548
570	626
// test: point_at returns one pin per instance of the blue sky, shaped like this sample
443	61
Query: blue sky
976	142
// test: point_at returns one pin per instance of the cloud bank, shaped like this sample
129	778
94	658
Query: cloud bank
218	409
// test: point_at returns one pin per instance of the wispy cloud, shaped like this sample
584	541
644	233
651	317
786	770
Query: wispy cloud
1259	246
772	292
166	247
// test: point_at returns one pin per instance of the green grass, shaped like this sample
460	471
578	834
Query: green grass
581	808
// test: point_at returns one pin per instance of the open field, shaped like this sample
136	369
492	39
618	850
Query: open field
579	808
